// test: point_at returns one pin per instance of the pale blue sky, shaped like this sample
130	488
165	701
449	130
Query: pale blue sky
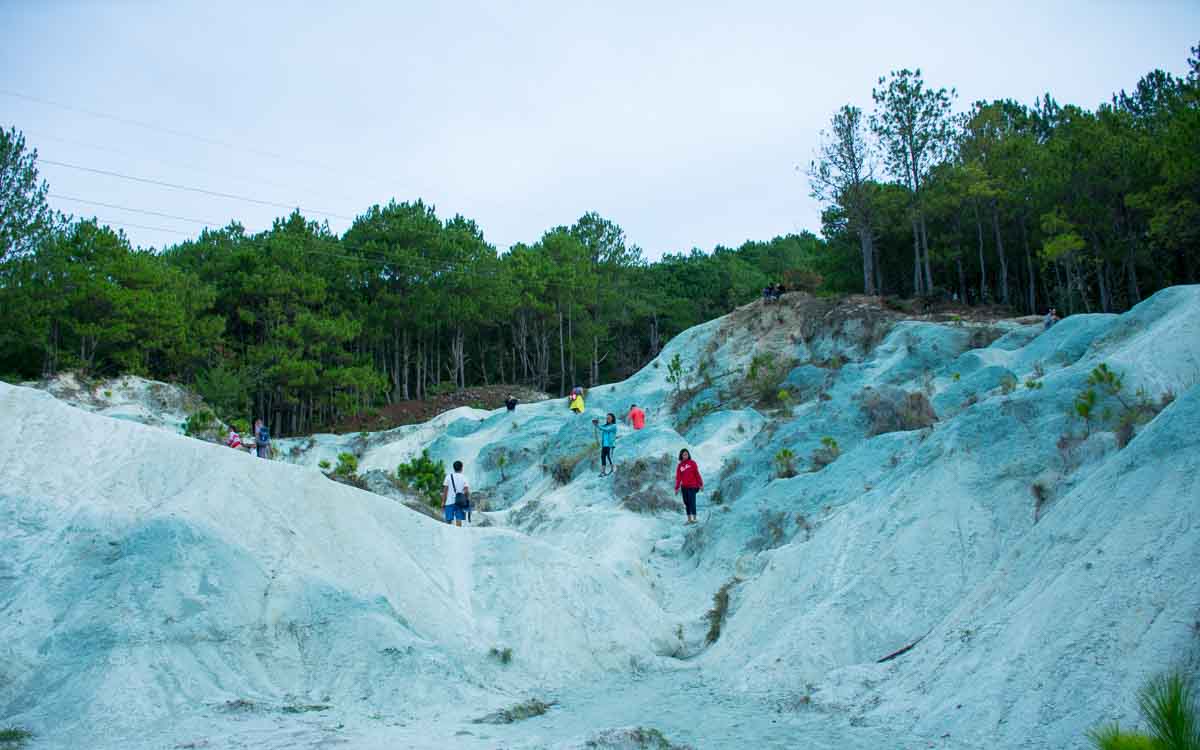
683	122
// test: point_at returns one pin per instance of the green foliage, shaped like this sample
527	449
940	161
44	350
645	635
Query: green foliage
347	465
697	413
324	464
503	655
1168	705
675	372
1008	384
14	737
199	423
225	388
1085	406
1106	380
826	454
785	463
564	468
424	476
1028	205
763	379
1033	384
24	216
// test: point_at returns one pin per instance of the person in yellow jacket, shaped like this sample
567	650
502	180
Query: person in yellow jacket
575	403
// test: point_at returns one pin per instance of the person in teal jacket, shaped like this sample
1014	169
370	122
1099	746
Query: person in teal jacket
608	441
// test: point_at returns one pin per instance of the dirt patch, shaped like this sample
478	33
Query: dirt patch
416	411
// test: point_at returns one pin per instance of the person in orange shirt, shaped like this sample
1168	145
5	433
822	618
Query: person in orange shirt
636	417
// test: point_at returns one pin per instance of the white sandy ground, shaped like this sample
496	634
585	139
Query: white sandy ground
184	595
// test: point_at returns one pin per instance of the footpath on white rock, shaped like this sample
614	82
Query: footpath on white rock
875	487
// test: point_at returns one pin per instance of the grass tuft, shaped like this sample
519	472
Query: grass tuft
720	609
14	737
520	712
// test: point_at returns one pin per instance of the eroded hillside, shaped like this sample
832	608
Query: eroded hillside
876	486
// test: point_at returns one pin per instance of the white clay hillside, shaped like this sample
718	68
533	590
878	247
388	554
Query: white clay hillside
924	490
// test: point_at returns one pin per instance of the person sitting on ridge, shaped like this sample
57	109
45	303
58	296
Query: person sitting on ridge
575	402
234	440
510	403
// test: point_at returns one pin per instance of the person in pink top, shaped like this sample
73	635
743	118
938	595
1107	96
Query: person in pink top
687	479
636	417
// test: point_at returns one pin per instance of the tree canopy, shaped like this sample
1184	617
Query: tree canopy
1028	206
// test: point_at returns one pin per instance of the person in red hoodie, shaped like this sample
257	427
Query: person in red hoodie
687	478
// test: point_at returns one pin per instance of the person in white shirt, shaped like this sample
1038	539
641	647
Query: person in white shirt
458	496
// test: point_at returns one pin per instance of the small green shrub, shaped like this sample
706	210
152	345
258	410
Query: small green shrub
675	372
324	464
108	394
1168	705
424	475
956	377
785	463
241	425
564	468
502	655
501	462
200	422
1008	384
697	413
1108	381
14	737
347	465
1032	384
826	454
763	378
1085	407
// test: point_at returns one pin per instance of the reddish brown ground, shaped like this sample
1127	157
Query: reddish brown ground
414	412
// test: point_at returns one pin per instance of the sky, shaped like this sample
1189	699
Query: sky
688	124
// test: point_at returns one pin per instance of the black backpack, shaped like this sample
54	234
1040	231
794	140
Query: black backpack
461	499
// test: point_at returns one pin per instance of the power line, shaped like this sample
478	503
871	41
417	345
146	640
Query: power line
161	129
110	224
135	210
181	164
190	189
